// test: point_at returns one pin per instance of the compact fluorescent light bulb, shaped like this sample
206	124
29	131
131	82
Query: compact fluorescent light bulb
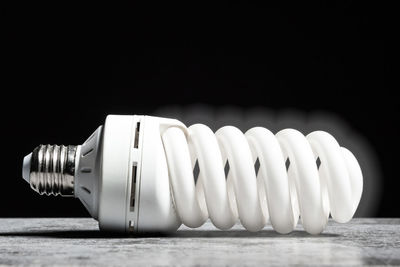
136	174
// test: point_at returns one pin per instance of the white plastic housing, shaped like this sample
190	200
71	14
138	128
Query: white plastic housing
126	187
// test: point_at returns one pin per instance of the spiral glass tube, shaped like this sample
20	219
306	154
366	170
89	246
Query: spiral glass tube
274	193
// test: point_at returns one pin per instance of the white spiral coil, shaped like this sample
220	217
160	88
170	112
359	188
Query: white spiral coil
274	194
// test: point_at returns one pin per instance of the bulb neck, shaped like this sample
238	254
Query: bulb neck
52	169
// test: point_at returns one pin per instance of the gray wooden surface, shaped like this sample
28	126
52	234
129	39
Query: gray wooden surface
69	242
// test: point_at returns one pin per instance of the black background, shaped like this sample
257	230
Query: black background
64	68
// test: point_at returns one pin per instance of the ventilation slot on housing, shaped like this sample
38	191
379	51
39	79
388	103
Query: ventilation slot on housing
133	186
136	144
86	190
87	152
86	170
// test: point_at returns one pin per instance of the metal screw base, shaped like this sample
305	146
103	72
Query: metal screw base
52	170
